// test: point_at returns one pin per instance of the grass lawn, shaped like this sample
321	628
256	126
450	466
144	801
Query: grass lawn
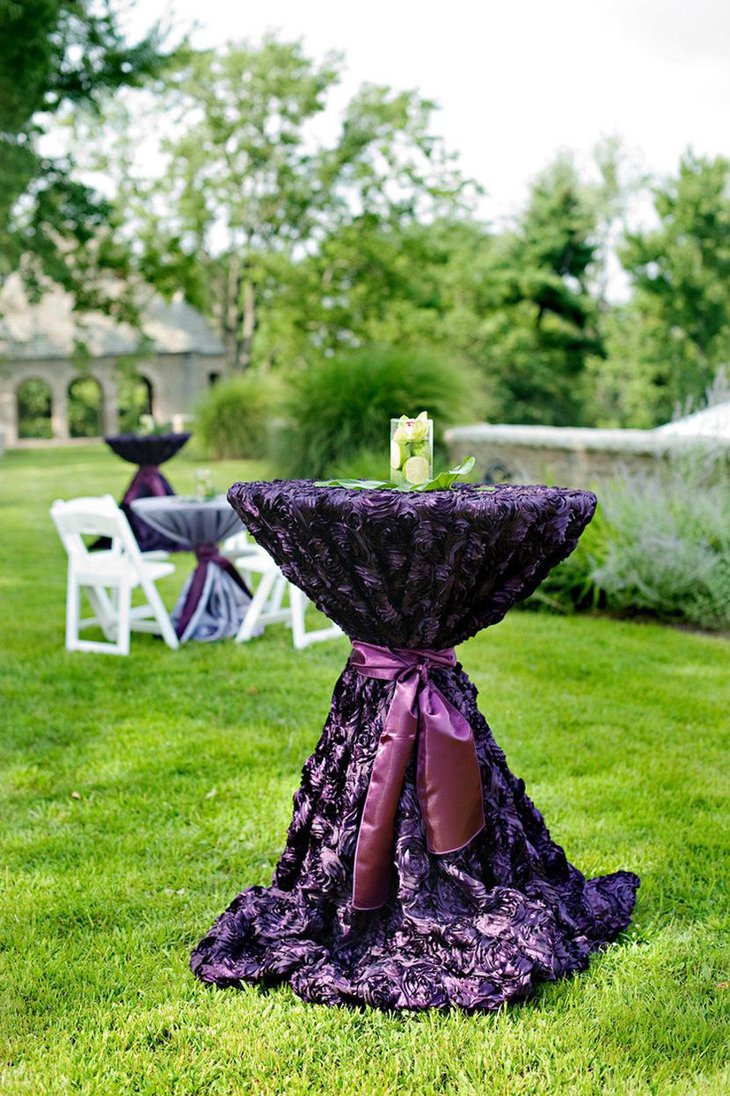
140	794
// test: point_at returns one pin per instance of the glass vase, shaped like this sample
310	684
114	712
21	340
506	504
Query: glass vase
411	449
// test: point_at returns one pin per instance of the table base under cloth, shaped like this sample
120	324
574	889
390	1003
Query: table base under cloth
475	928
213	601
147	482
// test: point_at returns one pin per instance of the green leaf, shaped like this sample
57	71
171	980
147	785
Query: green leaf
355	483
446	479
438	483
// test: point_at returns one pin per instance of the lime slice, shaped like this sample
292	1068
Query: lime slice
396	455
416	470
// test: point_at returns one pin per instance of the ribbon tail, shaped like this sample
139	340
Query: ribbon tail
230	568
192	597
448	777
374	851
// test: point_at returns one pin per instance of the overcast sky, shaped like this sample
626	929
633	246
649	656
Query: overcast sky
518	81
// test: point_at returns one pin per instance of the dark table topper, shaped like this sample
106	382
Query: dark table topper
367	903
215	598
148	451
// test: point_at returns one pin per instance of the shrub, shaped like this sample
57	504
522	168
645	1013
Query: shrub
84	408
572	585
658	544
233	418
34	410
668	545
342	405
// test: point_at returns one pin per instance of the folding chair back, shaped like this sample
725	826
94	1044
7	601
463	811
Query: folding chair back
108	577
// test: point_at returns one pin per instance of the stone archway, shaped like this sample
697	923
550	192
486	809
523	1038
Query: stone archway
85	408
34	408
135	397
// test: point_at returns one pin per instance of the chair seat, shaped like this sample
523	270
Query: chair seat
100	565
254	559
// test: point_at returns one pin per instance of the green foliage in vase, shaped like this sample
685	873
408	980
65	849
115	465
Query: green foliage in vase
343	405
439	482
233	418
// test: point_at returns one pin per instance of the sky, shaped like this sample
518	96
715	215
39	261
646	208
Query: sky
516	82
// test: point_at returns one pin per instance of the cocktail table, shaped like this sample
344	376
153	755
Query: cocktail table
148	451
417	873
215	598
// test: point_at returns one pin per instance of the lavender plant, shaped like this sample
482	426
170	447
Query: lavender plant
668	542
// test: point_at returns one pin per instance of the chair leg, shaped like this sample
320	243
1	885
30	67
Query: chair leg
160	613
250	620
124	604
277	595
73	611
301	637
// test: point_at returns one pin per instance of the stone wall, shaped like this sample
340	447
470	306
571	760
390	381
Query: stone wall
568	456
177	380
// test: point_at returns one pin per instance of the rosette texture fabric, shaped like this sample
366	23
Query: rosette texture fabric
473	928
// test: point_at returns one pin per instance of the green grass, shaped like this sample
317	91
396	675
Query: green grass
140	794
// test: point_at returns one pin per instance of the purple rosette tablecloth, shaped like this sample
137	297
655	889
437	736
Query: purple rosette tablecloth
215	598
148	451
417	873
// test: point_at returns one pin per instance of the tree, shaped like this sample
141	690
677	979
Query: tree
56	55
681	276
545	326
263	227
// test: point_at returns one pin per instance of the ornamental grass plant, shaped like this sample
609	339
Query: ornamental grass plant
233	418
341	406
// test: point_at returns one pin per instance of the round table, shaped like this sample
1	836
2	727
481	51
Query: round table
148	451
417	873
215	598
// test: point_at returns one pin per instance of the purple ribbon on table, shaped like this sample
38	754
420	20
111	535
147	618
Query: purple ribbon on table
447	770
147	482
205	554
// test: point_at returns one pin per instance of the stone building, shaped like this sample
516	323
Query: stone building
38	343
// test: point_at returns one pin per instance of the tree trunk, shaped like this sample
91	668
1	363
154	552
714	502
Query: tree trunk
247	328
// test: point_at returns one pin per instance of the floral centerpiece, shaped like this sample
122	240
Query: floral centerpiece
411	460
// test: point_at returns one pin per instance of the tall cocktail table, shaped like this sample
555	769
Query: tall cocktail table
417	873
148	452
214	600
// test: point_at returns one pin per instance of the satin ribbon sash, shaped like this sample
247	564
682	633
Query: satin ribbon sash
205	554
448	780
147	482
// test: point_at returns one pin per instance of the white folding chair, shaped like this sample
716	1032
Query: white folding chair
267	604
108	577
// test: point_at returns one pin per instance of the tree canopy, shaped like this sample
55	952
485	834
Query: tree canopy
56	54
300	237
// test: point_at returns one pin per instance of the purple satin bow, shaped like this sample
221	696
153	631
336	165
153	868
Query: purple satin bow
447	773
205	554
